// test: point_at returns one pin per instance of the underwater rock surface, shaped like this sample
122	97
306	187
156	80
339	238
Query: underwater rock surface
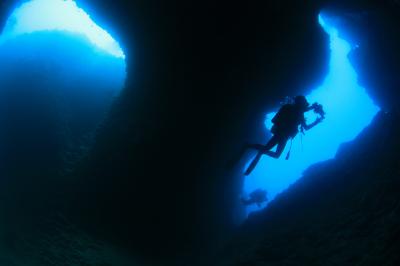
344	211
53	241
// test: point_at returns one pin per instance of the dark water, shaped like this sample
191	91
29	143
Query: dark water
56	89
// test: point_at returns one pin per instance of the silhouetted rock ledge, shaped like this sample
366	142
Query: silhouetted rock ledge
344	211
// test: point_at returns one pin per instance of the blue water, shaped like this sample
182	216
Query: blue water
59	75
349	110
60	15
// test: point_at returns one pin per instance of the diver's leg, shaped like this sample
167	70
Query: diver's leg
231	163
255	146
271	143
281	147
237	157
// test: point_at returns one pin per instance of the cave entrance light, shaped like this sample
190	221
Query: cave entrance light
60	74
59	15
349	110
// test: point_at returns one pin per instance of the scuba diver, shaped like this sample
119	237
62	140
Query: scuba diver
286	126
258	197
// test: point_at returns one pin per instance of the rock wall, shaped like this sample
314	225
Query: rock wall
203	74
342	212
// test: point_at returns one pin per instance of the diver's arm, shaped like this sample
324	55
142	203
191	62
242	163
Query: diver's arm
311	107
313	124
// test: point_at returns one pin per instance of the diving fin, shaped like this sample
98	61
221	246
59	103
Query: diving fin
253	163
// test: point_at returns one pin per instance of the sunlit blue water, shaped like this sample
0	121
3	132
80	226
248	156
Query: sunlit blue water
61	15
59	75
349	110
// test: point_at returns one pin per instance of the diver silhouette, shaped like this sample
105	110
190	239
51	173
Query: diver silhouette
258	197
286	126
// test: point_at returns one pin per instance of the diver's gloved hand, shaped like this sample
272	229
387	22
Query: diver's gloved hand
318	109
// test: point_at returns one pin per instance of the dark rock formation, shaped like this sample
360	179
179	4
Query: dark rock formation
342	212
203	74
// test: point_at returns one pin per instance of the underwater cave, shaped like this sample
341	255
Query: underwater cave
348	109
60	74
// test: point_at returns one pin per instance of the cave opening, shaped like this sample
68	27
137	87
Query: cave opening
59	15
348	108
60	74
